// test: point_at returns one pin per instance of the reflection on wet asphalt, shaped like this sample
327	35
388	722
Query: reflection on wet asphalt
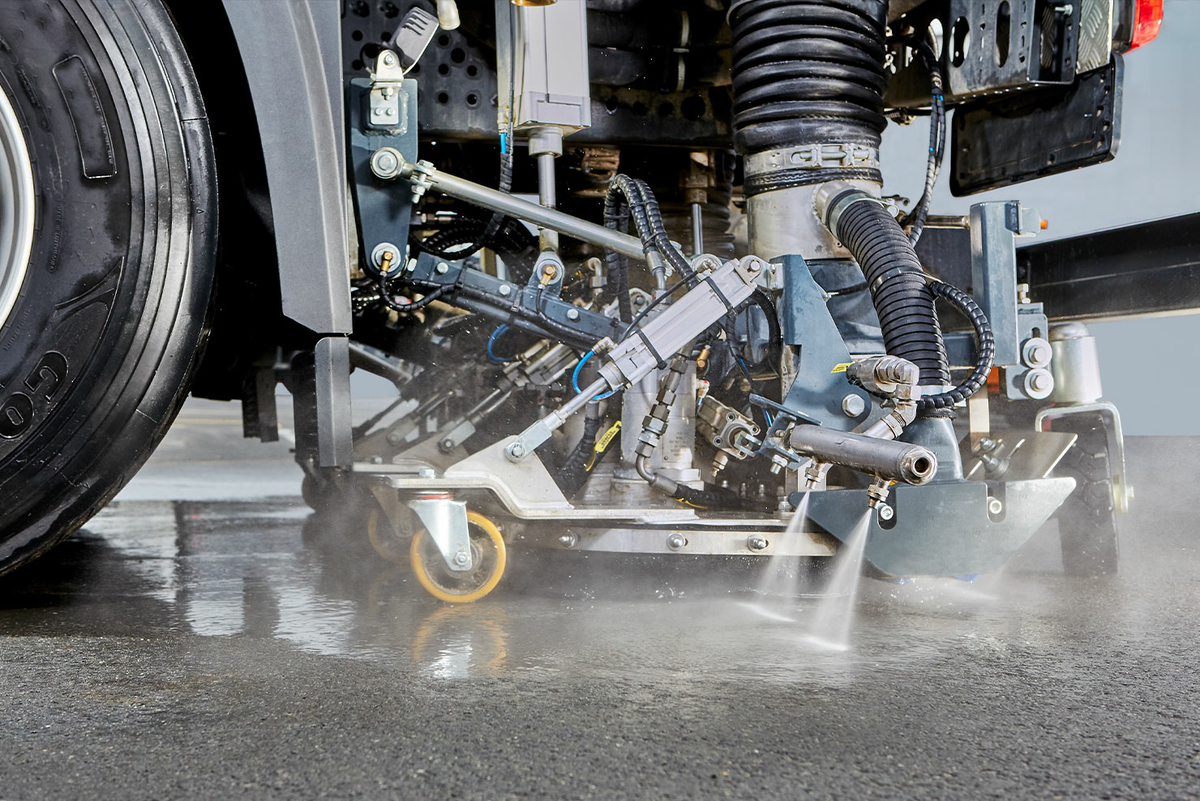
225	647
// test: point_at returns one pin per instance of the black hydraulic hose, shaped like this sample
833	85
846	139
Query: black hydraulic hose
899	287
386	296
647	218
985	346
493	224
513	242
616	216
711	497
574	471
915	221
808	71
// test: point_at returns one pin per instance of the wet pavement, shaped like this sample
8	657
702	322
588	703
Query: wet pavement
202	638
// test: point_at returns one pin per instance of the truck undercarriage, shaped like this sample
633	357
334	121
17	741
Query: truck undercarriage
633	272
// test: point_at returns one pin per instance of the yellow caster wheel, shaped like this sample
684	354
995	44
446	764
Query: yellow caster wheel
488	556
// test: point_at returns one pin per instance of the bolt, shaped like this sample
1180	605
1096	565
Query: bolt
572	314
376	460
676	542
756	542
853	405
389	111
886	512
442	268
516	451
461	558
568	540
385	162
1022	293
1041	381
426	472
389	57
995	506
1036	352
505	290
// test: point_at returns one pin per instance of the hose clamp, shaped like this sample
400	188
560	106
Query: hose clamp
827	155
833	198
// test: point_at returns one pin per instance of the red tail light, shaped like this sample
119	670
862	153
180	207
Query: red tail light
1147	19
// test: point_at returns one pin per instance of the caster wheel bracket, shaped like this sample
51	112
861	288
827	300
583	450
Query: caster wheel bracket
446	521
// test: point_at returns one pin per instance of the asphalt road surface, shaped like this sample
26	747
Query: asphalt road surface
203	638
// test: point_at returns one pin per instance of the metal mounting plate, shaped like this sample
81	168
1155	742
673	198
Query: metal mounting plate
944	529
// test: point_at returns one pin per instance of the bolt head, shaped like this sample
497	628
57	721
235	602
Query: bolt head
676	541
461	558
853	405
505	290
516	450
385	162
572	314
568	540
756	542
442	268
426	472
389	58
886	512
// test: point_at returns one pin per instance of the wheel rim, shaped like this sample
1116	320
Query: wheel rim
16	207
489	555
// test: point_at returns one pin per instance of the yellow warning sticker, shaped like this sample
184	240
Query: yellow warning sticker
840	368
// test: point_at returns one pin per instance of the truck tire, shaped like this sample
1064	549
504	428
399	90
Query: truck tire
1087	521
107	246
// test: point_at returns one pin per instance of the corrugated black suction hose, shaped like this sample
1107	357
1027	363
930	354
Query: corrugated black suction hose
899	287
808	71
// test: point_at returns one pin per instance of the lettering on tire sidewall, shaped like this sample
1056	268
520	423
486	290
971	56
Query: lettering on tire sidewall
19	409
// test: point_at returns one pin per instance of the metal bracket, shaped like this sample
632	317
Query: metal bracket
388	104
525	488
1111	420
820	390
446	521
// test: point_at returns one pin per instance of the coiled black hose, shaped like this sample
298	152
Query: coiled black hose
808	71
899	287
985	346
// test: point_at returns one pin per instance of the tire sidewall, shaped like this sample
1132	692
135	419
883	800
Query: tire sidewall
111	314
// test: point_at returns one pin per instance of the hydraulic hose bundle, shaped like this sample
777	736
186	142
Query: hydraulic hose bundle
628	197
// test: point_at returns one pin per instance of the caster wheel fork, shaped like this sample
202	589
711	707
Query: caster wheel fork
488	559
